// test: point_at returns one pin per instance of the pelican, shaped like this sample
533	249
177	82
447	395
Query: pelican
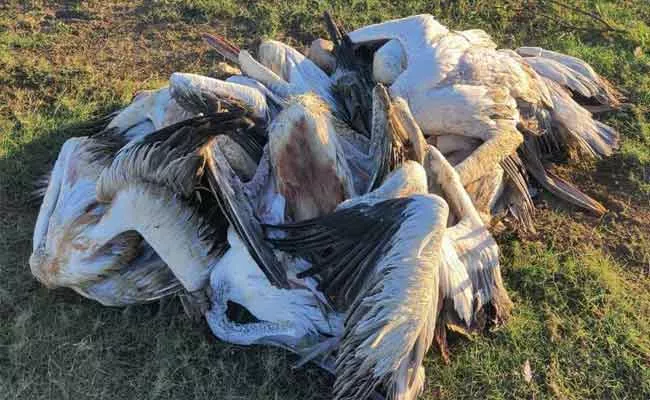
82	241
346	218
390	263
124	269
462	90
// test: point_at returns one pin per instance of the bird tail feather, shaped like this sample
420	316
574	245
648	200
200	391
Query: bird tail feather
554	184
577	127
573	74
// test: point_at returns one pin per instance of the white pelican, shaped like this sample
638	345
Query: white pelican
388	260
124	269
89	232
459	86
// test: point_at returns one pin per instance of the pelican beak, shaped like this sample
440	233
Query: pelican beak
223	46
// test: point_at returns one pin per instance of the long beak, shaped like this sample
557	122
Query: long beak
223	46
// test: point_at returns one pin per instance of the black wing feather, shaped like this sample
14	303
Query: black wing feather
343	246
353	88
229	194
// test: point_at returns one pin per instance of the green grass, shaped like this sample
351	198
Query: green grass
580	287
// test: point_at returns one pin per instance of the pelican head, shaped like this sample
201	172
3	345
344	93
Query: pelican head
388	62
321	53
63	255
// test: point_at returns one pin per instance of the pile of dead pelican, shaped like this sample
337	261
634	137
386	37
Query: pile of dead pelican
343	197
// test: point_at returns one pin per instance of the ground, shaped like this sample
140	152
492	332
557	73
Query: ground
580	286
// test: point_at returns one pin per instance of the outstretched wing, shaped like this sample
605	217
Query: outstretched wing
381	263
343	246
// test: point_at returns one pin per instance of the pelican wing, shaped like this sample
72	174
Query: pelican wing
577	126
343	260
571	72
353	83
382	264
92	127
201	94
382	153
235	204
155	187
520	201
173	156
145	278
478	252
470	283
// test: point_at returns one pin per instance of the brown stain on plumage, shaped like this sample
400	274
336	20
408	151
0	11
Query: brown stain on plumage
308	182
